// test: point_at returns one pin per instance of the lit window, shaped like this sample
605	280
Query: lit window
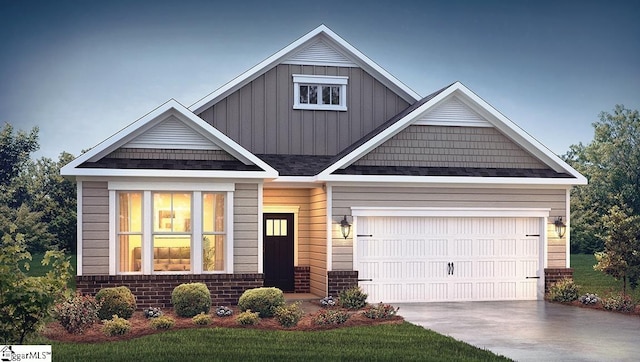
129	231
172	232
213	231
320	92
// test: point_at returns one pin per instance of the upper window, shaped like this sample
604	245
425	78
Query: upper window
320	92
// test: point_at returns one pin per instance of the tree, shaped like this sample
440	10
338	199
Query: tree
15	150
621	255
611	163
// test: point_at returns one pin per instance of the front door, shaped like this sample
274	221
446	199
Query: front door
278	251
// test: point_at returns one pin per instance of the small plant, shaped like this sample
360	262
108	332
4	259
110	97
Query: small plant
618	303
152	312
288	315
564	291
380	311
201	319
248	318
330	316
353	298
191	299
78	313
223	311
162	322
328	302
115	326
589	299
116	301
262	300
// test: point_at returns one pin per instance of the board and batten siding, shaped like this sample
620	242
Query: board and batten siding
345	197
245	228
445	146
261	118
318	240
299	198
95	228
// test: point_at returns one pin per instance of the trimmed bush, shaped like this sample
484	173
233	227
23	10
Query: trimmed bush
353	298
78	313
162	322
191	299
564	291
618	303
262	300
248	318
330	316
116	301
202	319
116	326
380	311
288	315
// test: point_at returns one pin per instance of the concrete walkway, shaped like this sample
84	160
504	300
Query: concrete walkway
533	330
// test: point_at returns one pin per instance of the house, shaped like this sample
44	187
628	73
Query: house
317	170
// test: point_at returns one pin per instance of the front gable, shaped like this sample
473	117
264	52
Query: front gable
169	138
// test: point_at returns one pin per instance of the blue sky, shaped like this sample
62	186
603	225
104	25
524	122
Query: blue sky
82	70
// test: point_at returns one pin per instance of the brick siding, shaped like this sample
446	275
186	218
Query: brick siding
552	275
341	280
155	290
302	279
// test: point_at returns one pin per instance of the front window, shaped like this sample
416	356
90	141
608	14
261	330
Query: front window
213	231
129	231
320	92
172	231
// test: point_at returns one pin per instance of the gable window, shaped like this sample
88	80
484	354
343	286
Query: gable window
163	229
320	92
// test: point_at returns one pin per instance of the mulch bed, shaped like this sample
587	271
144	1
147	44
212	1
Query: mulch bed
140	326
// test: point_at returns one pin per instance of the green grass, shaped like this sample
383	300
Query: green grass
594	281
405	342
37	269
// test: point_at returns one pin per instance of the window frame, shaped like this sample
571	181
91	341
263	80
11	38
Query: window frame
320	81
196	190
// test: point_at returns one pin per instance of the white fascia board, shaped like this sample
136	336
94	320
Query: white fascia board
251	74
449	212
452	180
516	133
106	172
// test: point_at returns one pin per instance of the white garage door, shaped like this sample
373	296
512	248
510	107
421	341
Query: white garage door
423	259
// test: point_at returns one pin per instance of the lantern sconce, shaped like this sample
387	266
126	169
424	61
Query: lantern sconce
345	227
561	228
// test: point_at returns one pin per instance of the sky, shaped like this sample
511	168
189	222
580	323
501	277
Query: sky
82	70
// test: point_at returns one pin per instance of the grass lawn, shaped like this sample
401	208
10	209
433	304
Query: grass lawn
593	281
405	342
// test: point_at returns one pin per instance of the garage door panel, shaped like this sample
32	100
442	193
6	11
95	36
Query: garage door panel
443	259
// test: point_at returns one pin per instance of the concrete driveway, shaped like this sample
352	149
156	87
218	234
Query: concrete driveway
533	330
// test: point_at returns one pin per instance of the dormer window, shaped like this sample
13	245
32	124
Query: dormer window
320	92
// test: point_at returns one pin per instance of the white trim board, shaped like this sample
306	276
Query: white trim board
449	212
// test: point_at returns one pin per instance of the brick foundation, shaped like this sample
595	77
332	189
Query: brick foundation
302	279
155	290
340	280
552	275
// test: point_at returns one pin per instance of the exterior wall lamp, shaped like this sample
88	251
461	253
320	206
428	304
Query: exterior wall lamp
345	227
561	228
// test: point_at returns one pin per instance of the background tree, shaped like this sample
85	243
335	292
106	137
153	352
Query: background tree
621	255
611	163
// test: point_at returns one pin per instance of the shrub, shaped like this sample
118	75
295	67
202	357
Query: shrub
201	319
380	311
564	290
589	298
328	302
78	313
190	299
162	322
222	311
116	326
353	298
262	300
116	301
330	316
288	315
152	312
248	318
618	303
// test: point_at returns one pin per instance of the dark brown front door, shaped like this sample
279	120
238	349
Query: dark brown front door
278	251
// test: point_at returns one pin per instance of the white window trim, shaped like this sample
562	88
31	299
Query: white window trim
147	217
301	79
